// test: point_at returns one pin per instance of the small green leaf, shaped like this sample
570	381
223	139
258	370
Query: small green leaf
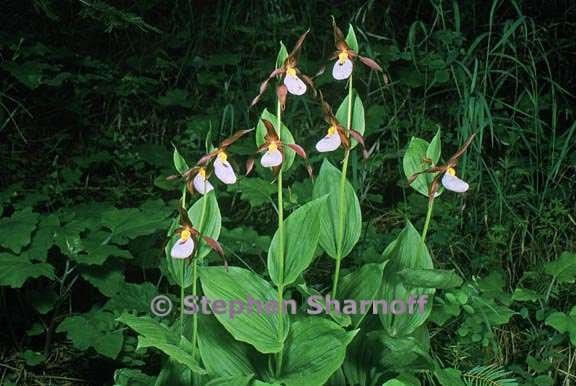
179	162
328	182
358	115
282	55
351	39
430	278
564	323
301	235
414	161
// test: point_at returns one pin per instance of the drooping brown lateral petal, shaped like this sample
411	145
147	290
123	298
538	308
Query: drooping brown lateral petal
249	165
343	137
297	149
310	83
190	185
360	139
215	245
264	85
184	219
456	156
281	92
271	134
370	63
191	172
233	138
207	157
434	169
434	188
293	56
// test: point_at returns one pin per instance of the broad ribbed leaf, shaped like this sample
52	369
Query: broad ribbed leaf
237	380
406	252
328	182
362	284
260	329
153	334
315	349
286	137
221	354
358	115
301	235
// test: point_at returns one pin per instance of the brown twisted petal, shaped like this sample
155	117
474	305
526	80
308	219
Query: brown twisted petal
434	188
281	92
207	157
215	245
233	138
339	40
190	186
460	152
310	83
293	56
264	85
173	177
370	63
360	139
434	169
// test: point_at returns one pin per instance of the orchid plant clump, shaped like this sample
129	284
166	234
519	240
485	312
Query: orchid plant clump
256	348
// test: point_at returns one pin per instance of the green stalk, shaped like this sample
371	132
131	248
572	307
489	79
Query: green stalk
195	274
428	217
183	275
342	197
281	242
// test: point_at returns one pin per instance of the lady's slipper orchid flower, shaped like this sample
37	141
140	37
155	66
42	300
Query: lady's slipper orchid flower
197	176
343	66
446	174
273	150
294	82
336	134
184	246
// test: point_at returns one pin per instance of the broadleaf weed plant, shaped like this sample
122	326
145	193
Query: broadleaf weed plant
296	348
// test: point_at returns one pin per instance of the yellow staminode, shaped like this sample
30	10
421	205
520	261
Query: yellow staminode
342	56
331	131
273	147
185	235
202	172
291	71
222	156
451	171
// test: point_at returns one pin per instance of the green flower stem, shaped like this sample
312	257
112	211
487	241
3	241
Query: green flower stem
195	272
184	191
428	217
342	197
281	241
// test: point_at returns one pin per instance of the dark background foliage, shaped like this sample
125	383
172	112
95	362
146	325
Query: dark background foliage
93	94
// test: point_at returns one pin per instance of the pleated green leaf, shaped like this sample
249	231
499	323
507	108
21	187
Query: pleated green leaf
262	330
315	349
408	251
301	235
328	182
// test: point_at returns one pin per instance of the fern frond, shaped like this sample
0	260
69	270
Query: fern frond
488	376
